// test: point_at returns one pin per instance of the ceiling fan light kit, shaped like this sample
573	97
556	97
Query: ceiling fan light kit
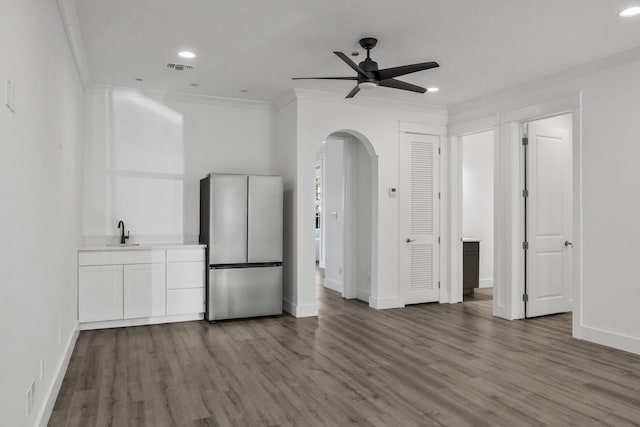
369	75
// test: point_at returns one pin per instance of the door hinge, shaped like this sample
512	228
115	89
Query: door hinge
438	195
438	150
525	193
438	239
525	245
525	297
525	141
438	285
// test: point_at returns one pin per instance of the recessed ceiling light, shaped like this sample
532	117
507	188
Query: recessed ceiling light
194	84
629	12
138	79
244	90
186	54
432	89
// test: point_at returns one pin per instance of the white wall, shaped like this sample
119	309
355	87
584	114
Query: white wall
146	152
320	115
334	201
284	162
477	198
606	309
361	190
40	193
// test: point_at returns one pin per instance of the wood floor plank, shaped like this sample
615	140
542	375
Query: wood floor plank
424	365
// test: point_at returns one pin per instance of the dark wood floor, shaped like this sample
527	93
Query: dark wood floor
433	364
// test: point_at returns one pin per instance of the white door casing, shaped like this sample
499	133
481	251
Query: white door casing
419	223
549	217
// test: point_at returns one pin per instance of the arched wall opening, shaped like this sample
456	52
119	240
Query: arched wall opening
346	206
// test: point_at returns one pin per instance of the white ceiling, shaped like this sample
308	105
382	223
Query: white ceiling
482	45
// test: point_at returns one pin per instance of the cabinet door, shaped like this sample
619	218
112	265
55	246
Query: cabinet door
144	290
99	293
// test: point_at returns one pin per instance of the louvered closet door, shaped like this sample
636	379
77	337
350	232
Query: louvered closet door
419	218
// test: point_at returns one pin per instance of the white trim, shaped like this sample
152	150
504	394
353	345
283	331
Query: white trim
516	92
306	310
71	23
315	95
475	126
334	285
124	91
421	128
142	321
540	110
52	394
486	283
608	338
385	302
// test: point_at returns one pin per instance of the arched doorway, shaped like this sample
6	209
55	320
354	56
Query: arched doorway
346	214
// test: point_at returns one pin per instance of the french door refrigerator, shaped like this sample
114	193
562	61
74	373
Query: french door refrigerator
241	224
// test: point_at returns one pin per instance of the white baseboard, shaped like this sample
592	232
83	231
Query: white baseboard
486	283
142	321
333	285
54	388
607	338
306	310
386	302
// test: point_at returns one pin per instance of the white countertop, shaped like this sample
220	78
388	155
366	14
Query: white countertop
471	239
141	247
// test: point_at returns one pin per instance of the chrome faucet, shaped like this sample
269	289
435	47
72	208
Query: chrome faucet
123	238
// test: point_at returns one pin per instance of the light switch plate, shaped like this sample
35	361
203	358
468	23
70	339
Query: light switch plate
10	95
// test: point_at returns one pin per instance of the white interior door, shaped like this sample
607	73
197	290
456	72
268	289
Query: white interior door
549	216
419	218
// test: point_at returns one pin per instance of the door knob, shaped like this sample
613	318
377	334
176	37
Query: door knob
410	240
568	243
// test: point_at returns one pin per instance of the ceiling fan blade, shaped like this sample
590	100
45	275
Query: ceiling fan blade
397	84
352	64
389	73
353	92
324	78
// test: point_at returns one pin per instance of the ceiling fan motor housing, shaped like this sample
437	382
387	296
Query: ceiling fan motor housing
370	67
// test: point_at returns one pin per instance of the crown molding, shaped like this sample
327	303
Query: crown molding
369	101
113	90
71	23
588	68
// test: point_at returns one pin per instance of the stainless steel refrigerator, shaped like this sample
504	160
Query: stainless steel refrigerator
241	224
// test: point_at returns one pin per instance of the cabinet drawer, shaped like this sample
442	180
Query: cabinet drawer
121	257
185	275
185	301
185	254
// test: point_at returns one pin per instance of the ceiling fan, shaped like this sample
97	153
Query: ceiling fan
369	76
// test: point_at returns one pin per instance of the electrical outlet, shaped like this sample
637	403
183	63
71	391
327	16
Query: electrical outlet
42	370
340	271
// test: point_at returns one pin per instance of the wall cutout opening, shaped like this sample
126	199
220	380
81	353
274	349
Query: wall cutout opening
345	186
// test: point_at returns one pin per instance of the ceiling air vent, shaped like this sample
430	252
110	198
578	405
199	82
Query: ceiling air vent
179	67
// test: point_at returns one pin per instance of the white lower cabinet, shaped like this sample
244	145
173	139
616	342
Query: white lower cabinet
132	287
100	294
144	290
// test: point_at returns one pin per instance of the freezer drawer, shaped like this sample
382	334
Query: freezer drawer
244	292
